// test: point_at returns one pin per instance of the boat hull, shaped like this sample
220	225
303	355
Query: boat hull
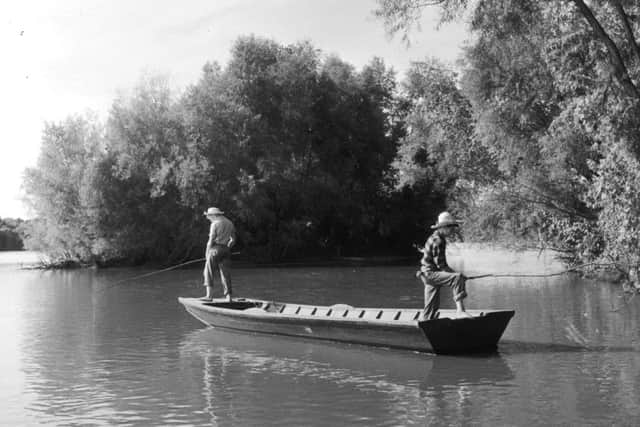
395	328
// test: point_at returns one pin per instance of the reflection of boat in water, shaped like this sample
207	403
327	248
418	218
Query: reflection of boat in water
353	364
285	378
386	327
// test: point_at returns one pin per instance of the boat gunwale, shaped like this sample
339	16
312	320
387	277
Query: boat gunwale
260	314
429	336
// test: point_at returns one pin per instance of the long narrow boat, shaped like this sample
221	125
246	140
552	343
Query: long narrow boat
386	327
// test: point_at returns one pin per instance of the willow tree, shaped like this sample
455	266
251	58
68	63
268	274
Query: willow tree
313	146
59	190
554	90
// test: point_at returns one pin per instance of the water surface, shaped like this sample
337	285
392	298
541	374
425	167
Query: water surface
80	350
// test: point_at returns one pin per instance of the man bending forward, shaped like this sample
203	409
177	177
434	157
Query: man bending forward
436	273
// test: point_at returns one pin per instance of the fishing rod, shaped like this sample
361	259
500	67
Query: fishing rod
482	276
173	267
559	273
158	271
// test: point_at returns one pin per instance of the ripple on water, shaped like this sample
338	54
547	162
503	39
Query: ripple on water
78	352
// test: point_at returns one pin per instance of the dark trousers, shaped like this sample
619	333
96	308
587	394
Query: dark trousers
219	259
433	281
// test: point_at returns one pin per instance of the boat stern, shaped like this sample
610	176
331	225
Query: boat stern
466	335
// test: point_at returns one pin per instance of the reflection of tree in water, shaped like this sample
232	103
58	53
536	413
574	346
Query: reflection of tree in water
94	356
249	377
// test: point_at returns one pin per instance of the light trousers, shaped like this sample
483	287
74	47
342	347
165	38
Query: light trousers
219	258
433	281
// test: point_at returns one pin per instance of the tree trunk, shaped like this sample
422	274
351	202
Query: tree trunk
627	28
620	71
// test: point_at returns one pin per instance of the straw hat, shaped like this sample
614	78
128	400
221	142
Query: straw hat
445	219
213	211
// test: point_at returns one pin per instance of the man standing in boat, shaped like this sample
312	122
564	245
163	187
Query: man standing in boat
222	237
436	273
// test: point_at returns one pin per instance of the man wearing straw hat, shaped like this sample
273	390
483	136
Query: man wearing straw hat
436	273
222	237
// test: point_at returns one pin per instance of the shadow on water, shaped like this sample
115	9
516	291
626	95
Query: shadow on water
354	364
508	347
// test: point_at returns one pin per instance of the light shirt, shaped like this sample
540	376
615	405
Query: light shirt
221	232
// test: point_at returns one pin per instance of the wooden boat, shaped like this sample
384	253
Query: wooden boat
386	327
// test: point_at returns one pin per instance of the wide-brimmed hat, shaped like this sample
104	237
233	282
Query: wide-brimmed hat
445	219
213	211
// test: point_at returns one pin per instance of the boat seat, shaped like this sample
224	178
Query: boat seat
306	311
371	314
342	312
290	309
339	310
354	314
322	311
388	315
409	315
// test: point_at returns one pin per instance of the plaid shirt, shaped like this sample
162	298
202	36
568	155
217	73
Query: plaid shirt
435	258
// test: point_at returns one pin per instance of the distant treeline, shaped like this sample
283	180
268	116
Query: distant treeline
10	236
535	138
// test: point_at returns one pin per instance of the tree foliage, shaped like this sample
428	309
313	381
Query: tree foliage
535	136
296	147
10	234
59	189
553	88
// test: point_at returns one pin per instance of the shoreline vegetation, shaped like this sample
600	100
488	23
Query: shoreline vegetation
533	140
461	255
46	264
10	234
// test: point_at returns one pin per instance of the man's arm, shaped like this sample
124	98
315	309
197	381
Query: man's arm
232	235
212	238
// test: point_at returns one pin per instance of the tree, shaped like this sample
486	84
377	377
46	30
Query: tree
57	187
140	210
553	87
440	146
295	146
315	132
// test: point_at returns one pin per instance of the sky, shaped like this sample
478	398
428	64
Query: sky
73	56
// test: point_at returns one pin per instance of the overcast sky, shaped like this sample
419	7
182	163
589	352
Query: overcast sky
69	56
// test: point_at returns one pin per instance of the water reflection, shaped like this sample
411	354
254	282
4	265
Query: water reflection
88	357
390	384
79	351
508	347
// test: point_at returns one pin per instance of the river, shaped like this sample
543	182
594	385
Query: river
81	349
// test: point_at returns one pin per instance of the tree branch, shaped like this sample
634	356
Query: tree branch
627	28
620	71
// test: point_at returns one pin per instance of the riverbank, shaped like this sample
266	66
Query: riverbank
22	259
478	258
470	258
36	260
